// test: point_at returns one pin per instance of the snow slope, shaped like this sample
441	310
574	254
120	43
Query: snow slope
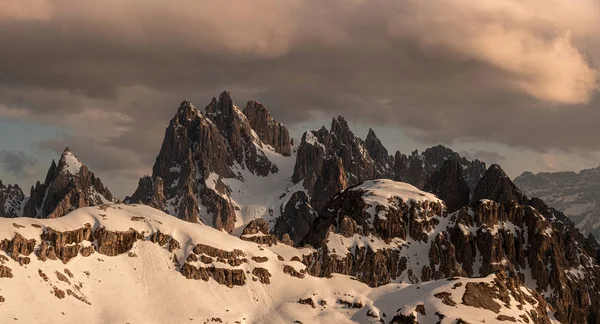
145	286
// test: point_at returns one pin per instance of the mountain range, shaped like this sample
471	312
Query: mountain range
577	195
238	224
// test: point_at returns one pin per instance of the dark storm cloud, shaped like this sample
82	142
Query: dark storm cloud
523	73
17	163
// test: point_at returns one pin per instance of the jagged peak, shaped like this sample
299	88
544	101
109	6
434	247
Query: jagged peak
68	162
339	123
371	134
496	185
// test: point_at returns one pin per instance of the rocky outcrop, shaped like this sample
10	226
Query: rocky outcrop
12	200
496	185
270	131
297	218
227	277
257	231
68	185
202	149
449	185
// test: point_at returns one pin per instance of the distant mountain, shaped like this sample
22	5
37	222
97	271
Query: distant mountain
577	195
69	185
12	200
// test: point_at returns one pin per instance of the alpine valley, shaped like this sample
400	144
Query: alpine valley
239	224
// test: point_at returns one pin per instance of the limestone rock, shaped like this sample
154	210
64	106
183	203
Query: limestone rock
69	185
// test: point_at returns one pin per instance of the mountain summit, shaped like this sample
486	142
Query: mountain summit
68	185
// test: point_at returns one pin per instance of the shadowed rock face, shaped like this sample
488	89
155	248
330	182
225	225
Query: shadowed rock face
417	168
69	185
270	131
217	143
449	185
496	185
12	200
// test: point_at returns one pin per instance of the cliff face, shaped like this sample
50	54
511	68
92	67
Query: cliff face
203	149
68	185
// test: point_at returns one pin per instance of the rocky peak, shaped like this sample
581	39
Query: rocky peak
237	131
449	185
68	185
270	131
378	152
203	149
496	185
341	130
12	200
332	160
417	168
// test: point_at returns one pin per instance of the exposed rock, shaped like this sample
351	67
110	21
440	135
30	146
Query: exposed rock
262	274
307	301
379	154
268	129
446	298
212	144
12	200
164	239
404	319
503	318
449	185
257	231
292	272
228	277
260	259
5	272
481	295
357	305
113	243
18	245
417	168
60	294
297	218
68	186
496	185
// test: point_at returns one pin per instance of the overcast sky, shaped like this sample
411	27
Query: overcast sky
513	82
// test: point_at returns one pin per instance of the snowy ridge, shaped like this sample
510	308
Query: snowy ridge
125	288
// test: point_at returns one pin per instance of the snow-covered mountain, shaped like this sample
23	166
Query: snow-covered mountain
135	264
250	228
225	166
69	185
575	194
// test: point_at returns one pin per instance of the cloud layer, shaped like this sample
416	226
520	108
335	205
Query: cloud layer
111	73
